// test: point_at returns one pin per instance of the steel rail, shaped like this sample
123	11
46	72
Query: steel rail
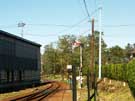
39	95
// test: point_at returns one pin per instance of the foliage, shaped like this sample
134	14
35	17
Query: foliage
57	57
131	76
116	55
122	72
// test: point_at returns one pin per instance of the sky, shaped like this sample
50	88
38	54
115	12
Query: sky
46	20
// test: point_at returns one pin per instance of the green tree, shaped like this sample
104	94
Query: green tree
117	54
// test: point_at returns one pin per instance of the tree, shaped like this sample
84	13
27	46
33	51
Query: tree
65	51
49	59
55	59
117	54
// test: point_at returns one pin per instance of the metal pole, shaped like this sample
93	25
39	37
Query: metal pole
22	32
21	24
100	34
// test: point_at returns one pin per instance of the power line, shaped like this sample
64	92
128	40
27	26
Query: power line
92	13
69	26
50	25
85	5
122	25
8	26
41	35
46	25
73	26
79	3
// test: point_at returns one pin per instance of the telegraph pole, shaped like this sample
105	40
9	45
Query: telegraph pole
100	34
90	77
92	53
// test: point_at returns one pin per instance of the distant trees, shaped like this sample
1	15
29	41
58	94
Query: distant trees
57	57
114	60
117	54
49	59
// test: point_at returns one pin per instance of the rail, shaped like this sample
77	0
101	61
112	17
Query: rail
38	95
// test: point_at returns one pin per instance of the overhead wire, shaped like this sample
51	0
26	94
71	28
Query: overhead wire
8	26
75	25
69	28
80	5
121	25
50	25
85	5
41	35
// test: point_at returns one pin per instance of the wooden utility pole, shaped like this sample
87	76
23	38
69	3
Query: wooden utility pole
92	54
90	76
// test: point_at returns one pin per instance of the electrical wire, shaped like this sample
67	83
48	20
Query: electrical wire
118	26
85	5
8	26
41	35
50	25
69	27
81	7
73	26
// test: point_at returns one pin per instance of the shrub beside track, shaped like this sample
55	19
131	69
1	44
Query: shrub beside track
122	72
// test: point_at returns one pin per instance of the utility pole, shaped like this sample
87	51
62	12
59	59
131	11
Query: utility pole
90	77
92	53
100	34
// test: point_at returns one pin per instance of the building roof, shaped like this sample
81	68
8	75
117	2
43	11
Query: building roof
18	38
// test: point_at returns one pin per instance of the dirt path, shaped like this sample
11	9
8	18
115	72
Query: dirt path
64	94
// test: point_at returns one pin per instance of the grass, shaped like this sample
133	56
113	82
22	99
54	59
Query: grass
114	91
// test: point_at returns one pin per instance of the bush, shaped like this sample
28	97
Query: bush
122	72
131	76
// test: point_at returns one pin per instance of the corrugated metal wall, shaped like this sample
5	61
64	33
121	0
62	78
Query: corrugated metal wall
19	61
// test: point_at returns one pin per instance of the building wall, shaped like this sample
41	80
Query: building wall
19	60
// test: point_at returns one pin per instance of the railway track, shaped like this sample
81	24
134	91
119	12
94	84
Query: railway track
38	95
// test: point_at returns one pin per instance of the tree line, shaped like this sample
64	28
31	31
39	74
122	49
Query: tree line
115	60
57	55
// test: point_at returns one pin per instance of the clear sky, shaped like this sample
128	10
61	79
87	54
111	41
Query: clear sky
37	14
